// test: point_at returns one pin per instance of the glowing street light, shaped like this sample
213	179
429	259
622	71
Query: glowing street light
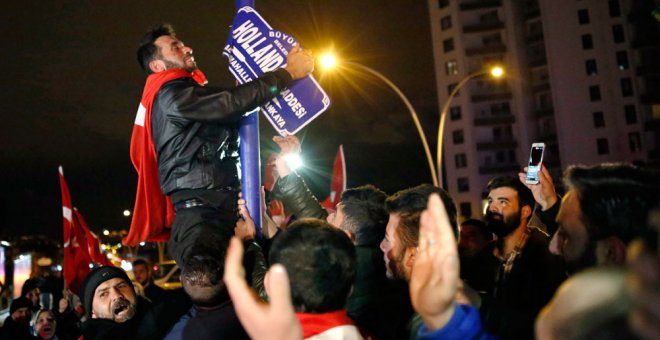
495	72
127	213
329	61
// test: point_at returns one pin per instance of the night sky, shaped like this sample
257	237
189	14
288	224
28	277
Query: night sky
72	87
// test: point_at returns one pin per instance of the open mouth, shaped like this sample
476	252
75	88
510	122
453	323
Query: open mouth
120	307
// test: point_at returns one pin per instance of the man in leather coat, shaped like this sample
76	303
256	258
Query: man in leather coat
195	134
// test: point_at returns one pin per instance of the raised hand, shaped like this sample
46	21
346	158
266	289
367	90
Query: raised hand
544	192
245	228
299	62
288	145
275	320
435	274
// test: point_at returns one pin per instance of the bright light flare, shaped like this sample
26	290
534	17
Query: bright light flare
293	161
328	61
106	232
125	265
497	71
127	213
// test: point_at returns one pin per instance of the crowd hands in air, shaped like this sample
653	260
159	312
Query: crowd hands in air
583	265
610	288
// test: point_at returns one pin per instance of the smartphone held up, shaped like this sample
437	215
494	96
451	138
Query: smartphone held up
535	162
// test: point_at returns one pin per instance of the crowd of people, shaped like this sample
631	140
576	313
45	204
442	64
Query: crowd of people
582	265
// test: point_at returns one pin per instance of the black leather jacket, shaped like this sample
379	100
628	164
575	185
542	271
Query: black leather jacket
195	129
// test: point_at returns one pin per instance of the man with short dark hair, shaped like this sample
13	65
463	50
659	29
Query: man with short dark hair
605	208
475	249
379	306
527	274
320	261
185	140
401	242
212	315
143	275
402	233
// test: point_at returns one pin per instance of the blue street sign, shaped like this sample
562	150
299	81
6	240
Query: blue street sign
253	48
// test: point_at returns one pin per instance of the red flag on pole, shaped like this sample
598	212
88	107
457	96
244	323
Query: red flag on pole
93	243
76	256
338	184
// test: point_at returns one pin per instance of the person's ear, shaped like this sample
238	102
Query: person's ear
526	212
410	256
157	65
611	250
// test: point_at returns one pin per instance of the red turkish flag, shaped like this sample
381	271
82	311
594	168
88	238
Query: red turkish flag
338	184
76	255
93	243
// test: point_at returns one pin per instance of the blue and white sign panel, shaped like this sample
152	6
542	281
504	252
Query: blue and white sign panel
254	48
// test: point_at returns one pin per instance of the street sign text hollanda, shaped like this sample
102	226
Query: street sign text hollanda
253	48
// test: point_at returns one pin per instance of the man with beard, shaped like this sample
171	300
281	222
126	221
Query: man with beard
605	208
185	141
400	245
527	274
114	311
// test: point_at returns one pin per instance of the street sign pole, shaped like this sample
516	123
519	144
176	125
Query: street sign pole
249	153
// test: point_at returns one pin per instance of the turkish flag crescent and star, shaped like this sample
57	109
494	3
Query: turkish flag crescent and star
76	254
153	212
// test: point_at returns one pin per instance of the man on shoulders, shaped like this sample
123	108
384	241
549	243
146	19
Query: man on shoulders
185	140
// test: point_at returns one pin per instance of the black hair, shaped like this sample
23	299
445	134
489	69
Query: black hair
615	199
141	262
365	214
147	50
320	260
205	266
525	196
410	203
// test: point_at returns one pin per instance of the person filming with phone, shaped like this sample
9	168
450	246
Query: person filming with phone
527	275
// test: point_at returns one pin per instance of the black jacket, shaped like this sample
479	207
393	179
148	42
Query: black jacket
296	197
195	129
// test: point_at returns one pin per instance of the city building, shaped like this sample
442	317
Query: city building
580	77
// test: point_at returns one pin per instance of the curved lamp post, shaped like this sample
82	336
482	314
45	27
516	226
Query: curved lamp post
328	61
495	72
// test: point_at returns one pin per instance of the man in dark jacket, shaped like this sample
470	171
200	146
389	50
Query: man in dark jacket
528	274
195	133
114	311
143	275
379	306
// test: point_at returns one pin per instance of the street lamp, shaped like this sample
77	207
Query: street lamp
328	61
495	72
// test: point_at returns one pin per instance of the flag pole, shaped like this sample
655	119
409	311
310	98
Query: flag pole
249	154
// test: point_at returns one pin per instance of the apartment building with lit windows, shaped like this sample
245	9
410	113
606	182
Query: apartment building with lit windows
582	76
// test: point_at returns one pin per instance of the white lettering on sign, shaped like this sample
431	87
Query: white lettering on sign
293	103
266	57
272	112
283	36
240	71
